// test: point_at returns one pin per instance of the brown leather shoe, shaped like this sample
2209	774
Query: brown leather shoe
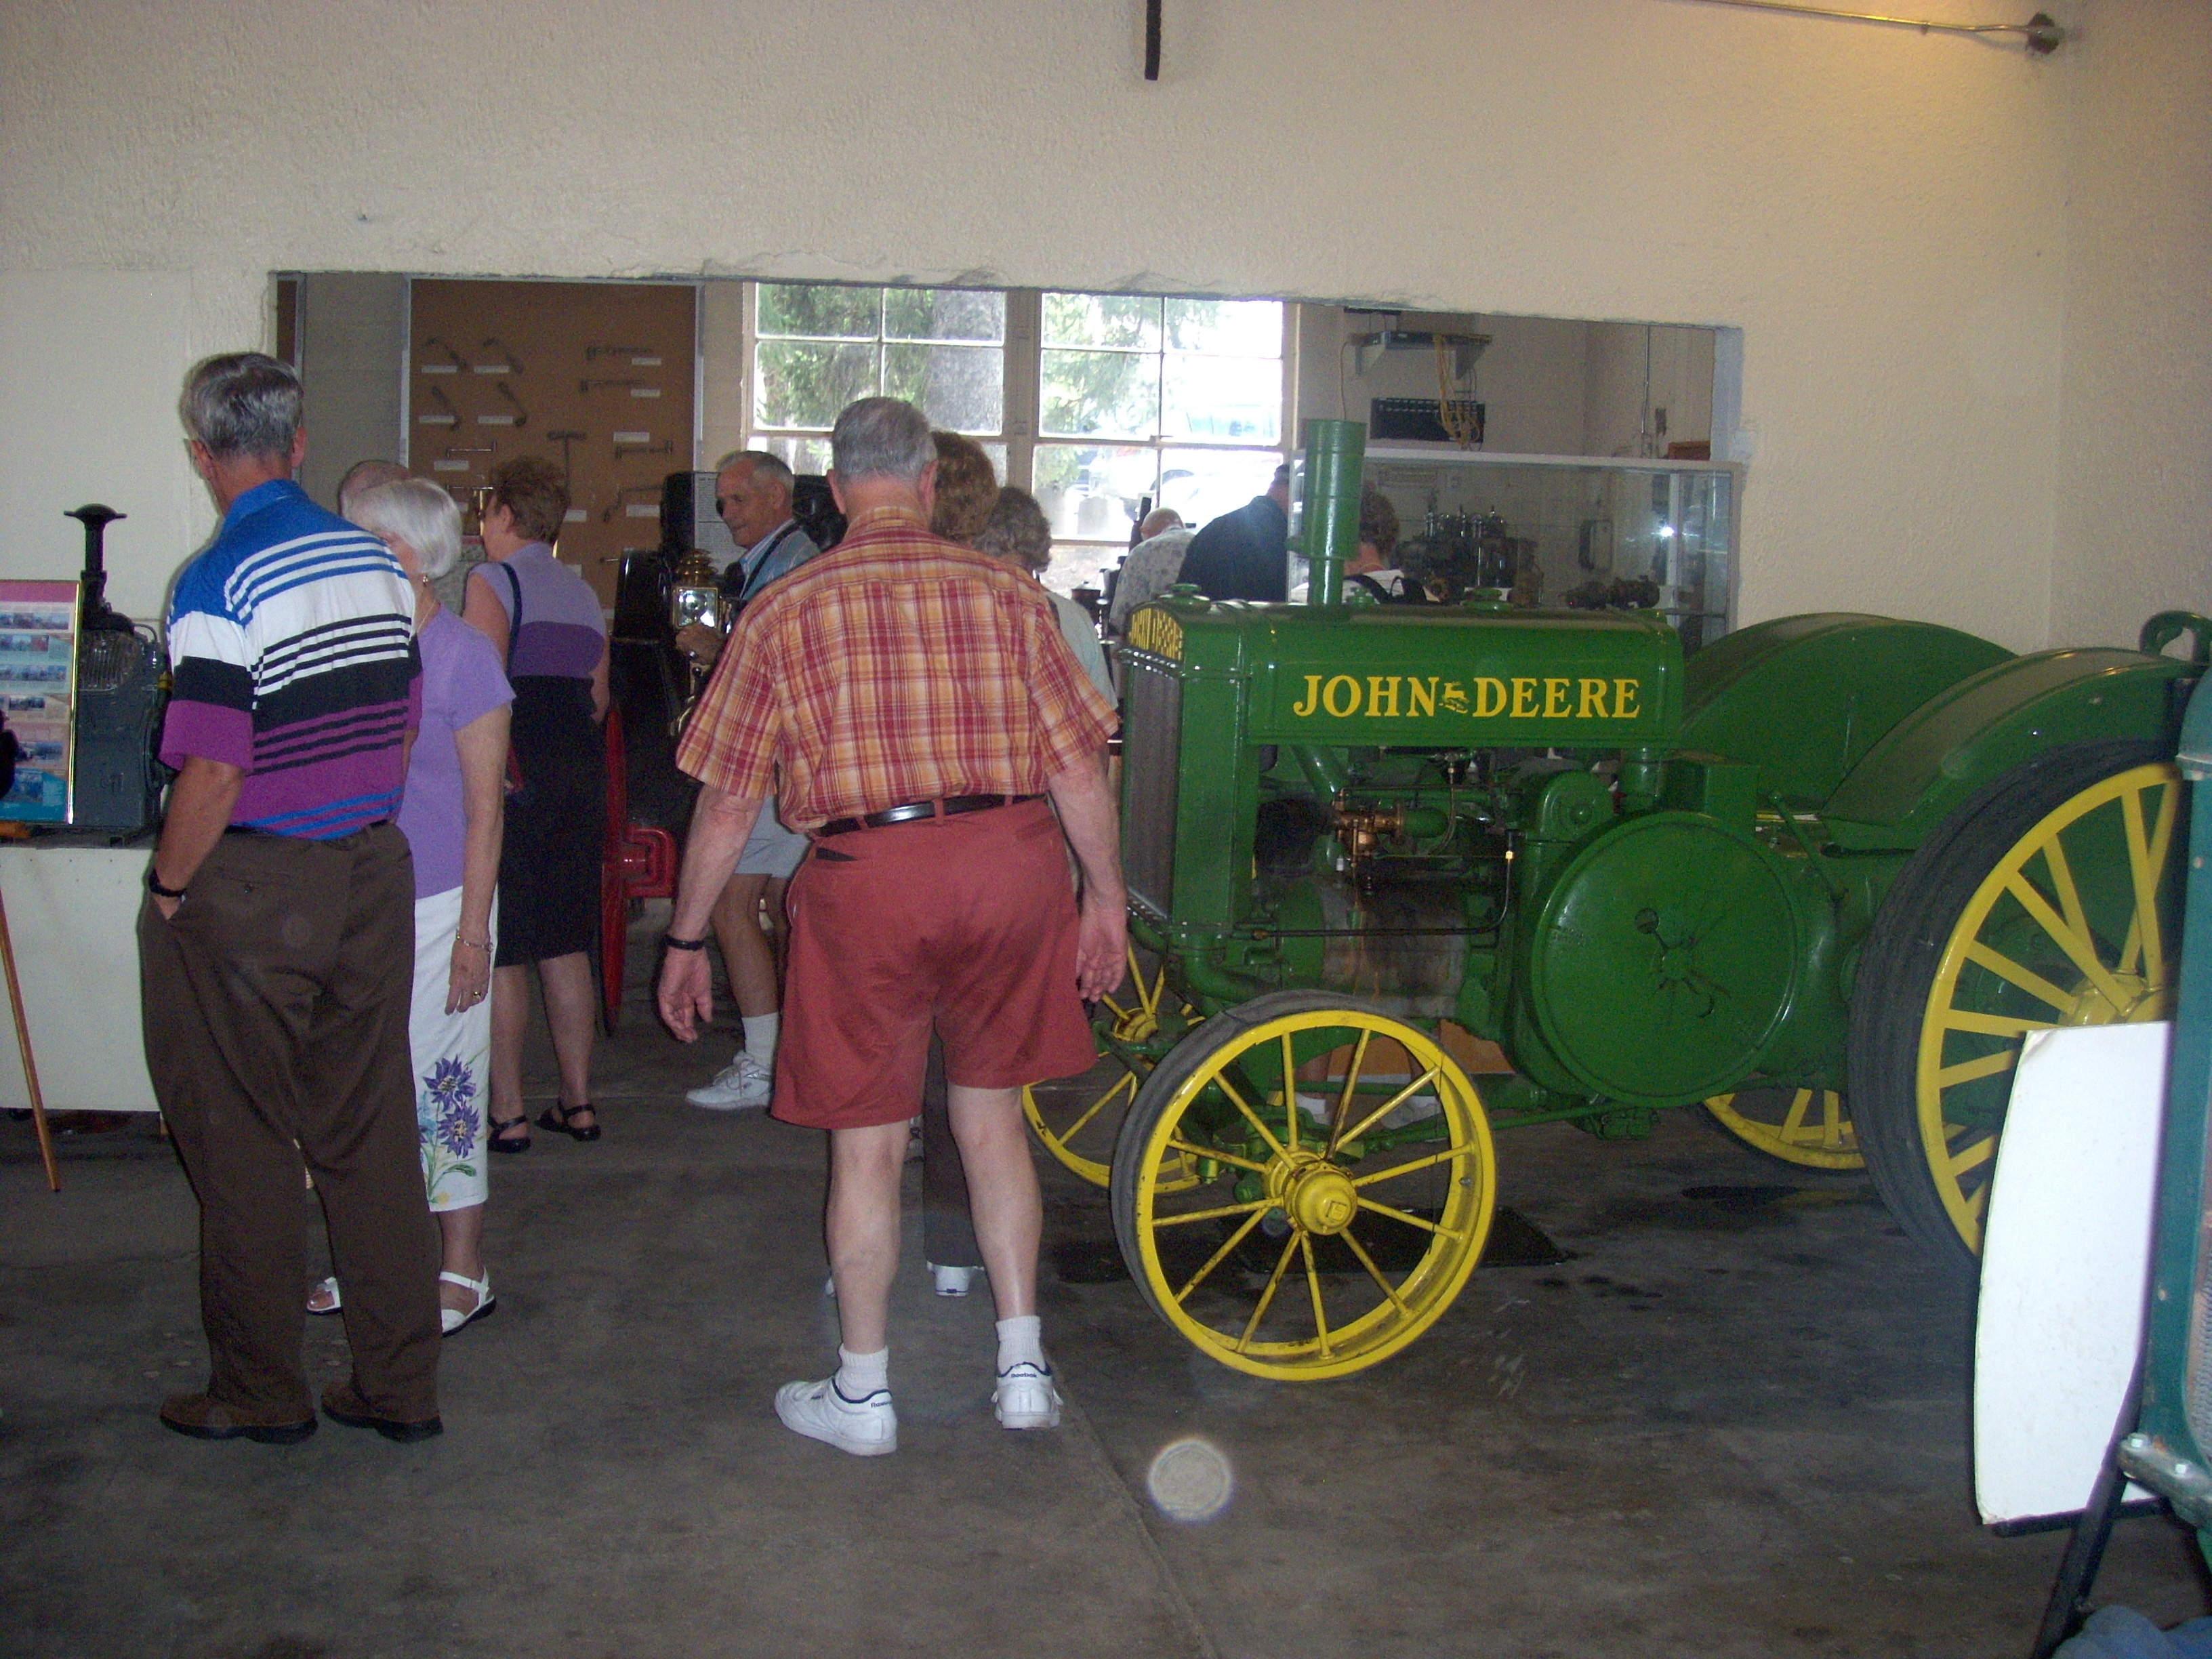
203	1418
342	1403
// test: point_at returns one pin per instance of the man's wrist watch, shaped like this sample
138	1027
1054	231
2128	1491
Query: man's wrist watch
154	886
676	944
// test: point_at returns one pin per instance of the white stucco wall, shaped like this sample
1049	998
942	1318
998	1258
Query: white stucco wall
1879	211
2135	517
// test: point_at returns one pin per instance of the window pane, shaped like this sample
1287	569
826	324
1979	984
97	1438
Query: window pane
1247	328
800	454
1100	394
960	388
1202	484
1092	491
799	383
1128	320
1223	397
943	313
822	309
998	454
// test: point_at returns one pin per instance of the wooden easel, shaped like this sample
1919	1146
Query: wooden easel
23	1043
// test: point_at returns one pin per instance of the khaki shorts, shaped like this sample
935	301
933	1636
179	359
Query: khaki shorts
771	850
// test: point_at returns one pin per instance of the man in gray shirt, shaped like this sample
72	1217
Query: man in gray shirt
1154	565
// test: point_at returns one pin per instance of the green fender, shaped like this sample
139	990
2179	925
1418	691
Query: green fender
1981	728
1805	698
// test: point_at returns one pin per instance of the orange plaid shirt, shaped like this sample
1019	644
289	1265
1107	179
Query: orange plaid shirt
896	667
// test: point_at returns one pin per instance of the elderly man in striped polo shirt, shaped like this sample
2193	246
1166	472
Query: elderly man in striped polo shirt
276	945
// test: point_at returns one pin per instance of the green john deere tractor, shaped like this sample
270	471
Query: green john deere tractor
1818	881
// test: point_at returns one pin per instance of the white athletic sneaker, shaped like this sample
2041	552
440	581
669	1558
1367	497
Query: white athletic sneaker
952	1281
1026	1398
745	1082
865	1428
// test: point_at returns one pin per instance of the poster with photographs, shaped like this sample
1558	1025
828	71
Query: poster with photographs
37	695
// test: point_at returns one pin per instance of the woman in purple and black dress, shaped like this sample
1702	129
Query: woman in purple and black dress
547	626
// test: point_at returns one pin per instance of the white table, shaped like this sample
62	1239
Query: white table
73	916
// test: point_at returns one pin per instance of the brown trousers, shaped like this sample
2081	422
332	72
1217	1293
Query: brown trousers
275	1014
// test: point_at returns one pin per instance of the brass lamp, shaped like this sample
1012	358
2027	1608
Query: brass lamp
695	594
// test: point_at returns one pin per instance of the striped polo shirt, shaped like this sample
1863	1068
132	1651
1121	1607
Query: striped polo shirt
292	649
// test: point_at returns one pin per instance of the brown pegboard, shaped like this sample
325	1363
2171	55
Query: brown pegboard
596	377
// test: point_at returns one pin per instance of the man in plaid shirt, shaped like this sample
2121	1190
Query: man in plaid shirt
912	703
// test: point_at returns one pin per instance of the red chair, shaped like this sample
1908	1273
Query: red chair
636	862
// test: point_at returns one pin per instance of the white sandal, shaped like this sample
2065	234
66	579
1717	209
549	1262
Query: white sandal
451	1320
329	1287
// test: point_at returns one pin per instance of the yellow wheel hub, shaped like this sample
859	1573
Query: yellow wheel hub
1078	1120
2137	1000
1316	1195
1300	1207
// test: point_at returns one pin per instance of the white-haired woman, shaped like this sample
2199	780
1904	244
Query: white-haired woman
452	815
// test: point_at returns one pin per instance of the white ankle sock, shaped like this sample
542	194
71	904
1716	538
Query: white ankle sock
859	1374
1019	1339
760	1038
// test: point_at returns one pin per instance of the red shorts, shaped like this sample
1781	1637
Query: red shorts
966	924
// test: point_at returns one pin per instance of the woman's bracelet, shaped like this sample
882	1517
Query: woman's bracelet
473	944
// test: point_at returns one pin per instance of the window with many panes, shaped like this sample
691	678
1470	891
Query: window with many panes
1136	397
1179	400
819	346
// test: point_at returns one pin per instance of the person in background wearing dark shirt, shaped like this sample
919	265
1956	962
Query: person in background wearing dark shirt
1243	554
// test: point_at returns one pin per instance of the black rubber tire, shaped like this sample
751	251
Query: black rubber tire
1903	950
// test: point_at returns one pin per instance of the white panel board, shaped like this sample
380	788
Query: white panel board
73	917
2065	1262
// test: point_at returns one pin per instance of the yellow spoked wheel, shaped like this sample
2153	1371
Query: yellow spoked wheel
2052	900
1079	1118
1296	1229
1805	1127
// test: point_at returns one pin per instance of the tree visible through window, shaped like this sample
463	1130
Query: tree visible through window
820	346
1179	401
1173	398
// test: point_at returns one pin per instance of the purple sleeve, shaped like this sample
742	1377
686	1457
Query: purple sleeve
209	730
477	685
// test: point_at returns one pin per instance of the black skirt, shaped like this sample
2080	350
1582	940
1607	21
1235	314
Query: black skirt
548	864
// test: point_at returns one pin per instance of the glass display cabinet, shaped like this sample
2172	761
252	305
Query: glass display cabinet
1569	531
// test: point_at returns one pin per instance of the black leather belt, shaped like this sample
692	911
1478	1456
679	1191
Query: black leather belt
951	806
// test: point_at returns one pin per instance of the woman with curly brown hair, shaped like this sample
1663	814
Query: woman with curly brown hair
546	625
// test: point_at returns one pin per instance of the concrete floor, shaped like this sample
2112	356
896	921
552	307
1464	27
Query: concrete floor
1717	1429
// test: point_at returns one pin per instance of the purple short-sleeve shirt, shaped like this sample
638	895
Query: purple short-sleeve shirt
461	684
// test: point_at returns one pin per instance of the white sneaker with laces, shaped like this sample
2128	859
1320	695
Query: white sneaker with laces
865	1428
951	1281
1026	1398
744	1083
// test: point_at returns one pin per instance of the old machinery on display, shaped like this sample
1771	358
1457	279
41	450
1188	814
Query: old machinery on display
122	693
1817	880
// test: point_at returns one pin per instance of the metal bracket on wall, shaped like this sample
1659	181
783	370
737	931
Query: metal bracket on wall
622	495
2040	34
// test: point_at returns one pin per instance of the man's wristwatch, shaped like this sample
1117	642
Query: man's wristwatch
676	944
153	886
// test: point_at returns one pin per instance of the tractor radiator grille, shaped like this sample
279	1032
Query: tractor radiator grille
2197	1392
1151	748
